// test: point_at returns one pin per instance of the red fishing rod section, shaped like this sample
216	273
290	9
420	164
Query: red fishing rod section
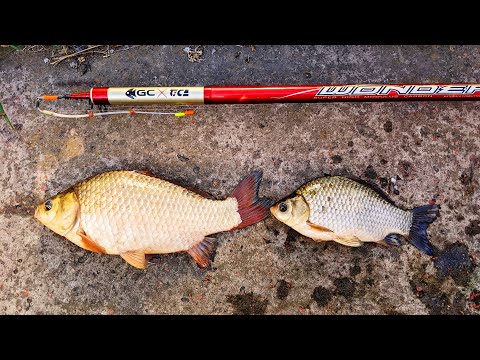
277	94
315	93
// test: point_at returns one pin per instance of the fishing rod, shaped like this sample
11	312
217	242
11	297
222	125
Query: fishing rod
133	97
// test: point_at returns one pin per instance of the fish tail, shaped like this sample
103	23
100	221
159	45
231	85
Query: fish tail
251	208
422	217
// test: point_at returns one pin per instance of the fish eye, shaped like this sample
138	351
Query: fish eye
48	205
282	207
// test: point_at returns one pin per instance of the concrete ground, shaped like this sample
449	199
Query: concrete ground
434	147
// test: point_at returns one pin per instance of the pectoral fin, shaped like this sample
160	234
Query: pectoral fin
135	258
202	251
89	244
318	227
325	233
349	241
316	232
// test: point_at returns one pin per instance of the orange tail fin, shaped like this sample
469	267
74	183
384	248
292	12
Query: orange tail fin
250	207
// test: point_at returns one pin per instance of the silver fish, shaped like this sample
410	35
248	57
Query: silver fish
351	213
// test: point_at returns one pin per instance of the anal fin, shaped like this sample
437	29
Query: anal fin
89	244
202	251
135	258
393	239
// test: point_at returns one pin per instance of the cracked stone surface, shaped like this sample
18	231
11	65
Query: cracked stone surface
434	147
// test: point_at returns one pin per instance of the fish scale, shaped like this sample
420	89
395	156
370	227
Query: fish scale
351	209
124	210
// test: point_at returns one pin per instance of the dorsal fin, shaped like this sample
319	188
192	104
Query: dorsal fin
372	186
196	191
178	183
363	182
145	172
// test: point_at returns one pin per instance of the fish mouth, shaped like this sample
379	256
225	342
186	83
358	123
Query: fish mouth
273	210
36	213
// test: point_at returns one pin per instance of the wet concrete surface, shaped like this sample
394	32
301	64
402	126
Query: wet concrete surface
433	147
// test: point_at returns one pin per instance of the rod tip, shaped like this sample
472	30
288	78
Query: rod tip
49	97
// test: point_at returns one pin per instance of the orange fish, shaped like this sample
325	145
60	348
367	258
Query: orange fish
132	213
